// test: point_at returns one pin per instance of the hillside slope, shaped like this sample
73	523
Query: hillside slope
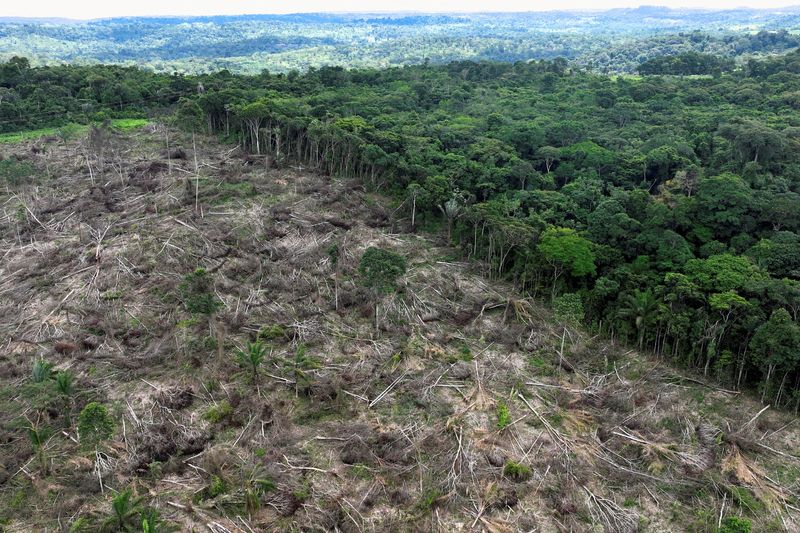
472	409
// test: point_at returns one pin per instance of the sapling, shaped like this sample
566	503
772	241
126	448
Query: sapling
252	357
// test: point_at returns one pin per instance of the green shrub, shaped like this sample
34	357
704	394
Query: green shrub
516	471
218	413
379	269
42	371
94	424
503	416
429	499
15	173
569	308
217	487
734	524
272	333
197	293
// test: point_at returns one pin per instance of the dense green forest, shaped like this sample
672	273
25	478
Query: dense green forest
606	41
663	211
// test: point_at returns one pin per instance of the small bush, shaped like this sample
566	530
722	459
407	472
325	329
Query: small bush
734	524
272	333
197	293
218	413
429	499
503	416
217	487
516	471
42	371
15	173
94	424
569	308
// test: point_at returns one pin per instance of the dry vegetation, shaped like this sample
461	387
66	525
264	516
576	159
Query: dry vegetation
471	409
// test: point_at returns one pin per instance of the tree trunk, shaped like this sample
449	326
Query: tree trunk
196	175
766	382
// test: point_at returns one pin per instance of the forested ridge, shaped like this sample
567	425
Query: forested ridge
664	211
611	41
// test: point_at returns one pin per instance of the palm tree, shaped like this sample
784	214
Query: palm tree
640	307
42	370
38	443
301	366
125	511
252	357
152	523
66	389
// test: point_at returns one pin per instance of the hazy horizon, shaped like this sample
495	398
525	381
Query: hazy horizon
87	10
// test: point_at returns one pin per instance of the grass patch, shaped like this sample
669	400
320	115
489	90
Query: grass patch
71	129
126	124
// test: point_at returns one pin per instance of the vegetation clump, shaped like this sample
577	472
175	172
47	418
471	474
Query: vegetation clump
94	424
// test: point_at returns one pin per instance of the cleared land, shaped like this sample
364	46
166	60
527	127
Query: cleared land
471	409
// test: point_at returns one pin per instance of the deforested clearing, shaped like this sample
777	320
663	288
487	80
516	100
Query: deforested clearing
195	345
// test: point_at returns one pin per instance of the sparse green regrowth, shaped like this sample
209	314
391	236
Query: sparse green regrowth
264	486
746	500
429	499
503	416
541	365
556	418
464	354
153	523
361	471
516	471
14	172
333	253
303	492
94	424
252	501
68	131
111	295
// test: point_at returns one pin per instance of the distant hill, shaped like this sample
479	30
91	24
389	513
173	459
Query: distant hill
617	40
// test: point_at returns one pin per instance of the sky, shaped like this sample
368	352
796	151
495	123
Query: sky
86	9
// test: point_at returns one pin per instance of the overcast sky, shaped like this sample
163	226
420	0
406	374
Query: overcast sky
84	9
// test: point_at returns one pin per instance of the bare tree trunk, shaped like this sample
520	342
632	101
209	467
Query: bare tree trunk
169	159
196	175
